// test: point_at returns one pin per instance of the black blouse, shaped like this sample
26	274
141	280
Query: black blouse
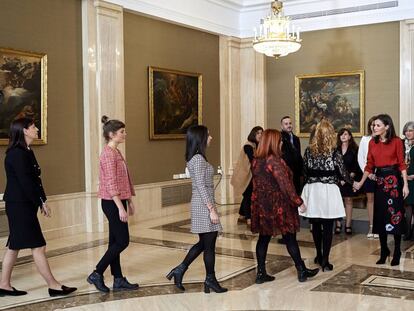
328	169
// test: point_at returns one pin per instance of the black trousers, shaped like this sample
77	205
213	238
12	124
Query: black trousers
118	239
207	246
291	246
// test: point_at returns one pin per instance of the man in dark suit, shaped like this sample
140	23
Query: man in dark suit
291	152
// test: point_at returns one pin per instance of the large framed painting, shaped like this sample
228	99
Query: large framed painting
175	102
339	97
23	91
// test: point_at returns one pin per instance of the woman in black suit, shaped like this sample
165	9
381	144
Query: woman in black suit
24	194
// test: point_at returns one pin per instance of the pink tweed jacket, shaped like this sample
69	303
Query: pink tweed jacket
114	177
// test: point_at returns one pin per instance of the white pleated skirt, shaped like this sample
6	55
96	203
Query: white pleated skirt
322	201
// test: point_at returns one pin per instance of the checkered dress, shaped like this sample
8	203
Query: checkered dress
201	173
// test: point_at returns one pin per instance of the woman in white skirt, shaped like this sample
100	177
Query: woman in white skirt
323	168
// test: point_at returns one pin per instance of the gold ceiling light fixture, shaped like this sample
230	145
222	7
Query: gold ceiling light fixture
276	37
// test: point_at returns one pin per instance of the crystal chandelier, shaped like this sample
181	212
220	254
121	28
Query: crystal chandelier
276	37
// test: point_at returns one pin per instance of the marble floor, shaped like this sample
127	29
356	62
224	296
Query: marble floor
356	283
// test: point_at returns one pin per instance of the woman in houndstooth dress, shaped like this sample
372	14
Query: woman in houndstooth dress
204	217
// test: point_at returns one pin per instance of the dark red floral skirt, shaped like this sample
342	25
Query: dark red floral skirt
388	202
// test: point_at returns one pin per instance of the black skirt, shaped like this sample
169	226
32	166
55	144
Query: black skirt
24	227
388	202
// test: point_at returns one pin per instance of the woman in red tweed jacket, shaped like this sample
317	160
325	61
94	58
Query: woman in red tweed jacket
115	191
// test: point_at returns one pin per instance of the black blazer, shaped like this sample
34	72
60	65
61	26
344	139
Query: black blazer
23	177
292	154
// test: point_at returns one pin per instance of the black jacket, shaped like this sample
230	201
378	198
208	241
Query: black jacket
292	154
23	177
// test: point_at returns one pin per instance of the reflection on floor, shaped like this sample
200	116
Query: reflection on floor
356	283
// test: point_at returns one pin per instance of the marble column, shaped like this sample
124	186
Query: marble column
242	102
406	71
103	82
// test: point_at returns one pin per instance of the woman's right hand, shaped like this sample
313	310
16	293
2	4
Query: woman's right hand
214	217
123	215
302	208
356	186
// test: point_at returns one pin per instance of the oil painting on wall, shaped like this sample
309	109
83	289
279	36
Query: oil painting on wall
175	102
338	97
22	91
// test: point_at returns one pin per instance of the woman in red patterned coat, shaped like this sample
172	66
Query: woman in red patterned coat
275	205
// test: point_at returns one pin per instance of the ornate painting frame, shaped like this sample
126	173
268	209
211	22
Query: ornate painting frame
175	102
23	82
338	96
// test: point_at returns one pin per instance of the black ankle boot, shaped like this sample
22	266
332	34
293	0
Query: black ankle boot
325	265
178	273
121	284
396	258
98	280
262	276
305	273
384	254
212	283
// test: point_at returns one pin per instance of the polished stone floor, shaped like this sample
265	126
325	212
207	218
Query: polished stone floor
356	283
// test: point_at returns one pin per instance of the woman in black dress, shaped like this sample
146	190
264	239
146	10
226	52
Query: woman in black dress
249	148
347	146
24	195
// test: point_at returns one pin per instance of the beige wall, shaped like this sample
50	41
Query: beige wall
373	48
53	27
149	42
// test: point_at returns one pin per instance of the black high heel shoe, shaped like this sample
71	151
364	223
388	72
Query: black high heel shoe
396	259
178	273
384	256
325	265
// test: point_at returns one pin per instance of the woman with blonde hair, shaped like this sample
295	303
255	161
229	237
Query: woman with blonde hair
323	168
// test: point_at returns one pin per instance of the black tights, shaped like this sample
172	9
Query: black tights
384	246
206	244
291	246
322	237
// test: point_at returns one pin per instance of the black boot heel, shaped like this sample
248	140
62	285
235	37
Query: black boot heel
212	283
383	258
177	273
396	259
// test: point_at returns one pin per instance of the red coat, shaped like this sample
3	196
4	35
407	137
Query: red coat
274	199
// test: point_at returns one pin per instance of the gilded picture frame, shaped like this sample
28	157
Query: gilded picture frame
23	86
339	97
175	102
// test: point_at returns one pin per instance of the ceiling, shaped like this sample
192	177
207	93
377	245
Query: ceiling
238	17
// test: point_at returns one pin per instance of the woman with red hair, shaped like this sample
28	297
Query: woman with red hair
275	205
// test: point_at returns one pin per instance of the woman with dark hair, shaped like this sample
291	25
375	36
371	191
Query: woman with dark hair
386	159
24	195
247	152
323	168
204	217
116	191
275	205
408	132
369	186
347	146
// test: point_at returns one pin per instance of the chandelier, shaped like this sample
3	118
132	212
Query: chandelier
276	37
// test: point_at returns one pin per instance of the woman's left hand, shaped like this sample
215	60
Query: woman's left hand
302	208
45	210
406	192
131	208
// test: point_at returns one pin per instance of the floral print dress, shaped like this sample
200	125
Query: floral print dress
274	199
